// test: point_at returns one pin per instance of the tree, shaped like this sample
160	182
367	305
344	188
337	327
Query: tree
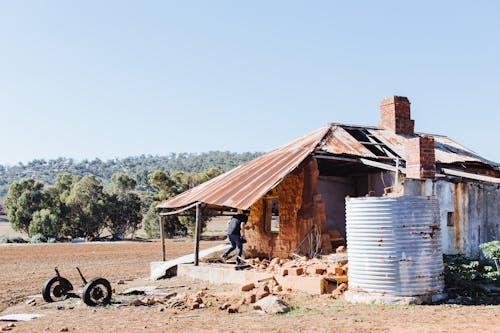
209	174
150	221
168	187
87	202
56	197
123	206
161	182
46	223
23	199
121	183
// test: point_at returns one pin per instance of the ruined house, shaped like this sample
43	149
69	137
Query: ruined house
296	193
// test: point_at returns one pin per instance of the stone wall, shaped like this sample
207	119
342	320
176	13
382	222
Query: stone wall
300	207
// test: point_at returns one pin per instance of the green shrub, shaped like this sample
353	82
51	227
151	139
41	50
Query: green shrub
463	272
470	281
491	250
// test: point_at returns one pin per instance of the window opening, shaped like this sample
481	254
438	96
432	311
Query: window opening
273	214
450	219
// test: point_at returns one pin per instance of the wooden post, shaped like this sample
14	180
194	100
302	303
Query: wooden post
197	236
162	236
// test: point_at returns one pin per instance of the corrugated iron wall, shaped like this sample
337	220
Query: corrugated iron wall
469	213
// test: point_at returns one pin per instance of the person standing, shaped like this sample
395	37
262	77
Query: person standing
236	235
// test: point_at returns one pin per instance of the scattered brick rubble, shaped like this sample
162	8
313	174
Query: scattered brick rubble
8	327
332	267
266	295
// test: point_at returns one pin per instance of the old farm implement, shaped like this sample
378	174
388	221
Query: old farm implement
95	292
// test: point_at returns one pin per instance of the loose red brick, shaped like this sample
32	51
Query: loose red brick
261	294
296	271
342	287
250	298
341	249
247	287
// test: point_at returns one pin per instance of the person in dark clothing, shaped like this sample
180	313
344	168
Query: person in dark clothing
236	235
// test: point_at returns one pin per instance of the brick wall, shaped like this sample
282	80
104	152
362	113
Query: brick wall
395	115
420	157
300	208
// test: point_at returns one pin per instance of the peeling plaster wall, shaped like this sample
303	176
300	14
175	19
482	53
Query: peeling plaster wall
469	213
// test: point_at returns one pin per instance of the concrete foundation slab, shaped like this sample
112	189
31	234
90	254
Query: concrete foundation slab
223	273
366	298
220	274
159	268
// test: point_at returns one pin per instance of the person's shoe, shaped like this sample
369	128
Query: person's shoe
223	258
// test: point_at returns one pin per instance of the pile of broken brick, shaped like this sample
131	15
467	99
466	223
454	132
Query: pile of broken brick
271	297
266	295
333	268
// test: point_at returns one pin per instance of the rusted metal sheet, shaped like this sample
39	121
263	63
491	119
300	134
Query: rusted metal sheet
247	183
394	141
340	142
244	185
469	175
449	151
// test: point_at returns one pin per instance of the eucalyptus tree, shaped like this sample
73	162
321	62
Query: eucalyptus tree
87	202
123	206
23	199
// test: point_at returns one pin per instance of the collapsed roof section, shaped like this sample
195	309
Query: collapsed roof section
376	147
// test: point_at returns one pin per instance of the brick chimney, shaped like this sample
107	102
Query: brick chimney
420	157
395	115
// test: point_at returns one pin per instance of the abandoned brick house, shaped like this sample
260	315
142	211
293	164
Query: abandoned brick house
302	186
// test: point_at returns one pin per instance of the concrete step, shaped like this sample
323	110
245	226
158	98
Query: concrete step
159	268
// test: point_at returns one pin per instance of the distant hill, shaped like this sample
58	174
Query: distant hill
136	167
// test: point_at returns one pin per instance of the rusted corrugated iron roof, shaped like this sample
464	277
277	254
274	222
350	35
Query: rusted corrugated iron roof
449	151
247	183
340	142
392	140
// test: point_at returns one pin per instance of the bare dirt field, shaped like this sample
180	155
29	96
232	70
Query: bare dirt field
6	230
24	269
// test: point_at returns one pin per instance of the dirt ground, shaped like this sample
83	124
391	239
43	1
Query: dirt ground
6	229
24	269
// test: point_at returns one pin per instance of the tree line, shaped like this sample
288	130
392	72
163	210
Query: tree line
76	206
138	167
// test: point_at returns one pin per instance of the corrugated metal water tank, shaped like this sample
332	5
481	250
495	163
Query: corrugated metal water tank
394	246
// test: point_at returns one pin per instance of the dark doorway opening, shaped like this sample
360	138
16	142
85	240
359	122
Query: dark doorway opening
339	179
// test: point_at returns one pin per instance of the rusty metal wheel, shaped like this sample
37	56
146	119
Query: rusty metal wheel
56	289
97	292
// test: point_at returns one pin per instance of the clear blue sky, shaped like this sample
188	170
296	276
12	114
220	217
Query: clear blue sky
86	79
